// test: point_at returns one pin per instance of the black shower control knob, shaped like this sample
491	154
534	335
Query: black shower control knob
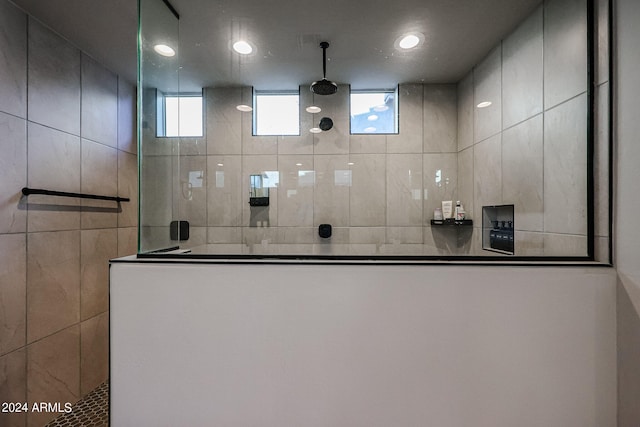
326	124
324	231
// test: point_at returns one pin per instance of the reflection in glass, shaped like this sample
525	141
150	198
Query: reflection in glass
449	146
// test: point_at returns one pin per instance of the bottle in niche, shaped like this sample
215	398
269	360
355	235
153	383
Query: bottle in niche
437	214
447	209
459	212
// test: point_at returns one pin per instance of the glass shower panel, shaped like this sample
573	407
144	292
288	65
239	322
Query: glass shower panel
515	129
158	68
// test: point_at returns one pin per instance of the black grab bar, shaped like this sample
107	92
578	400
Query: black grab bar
27	191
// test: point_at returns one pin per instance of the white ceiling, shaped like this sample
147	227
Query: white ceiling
286	34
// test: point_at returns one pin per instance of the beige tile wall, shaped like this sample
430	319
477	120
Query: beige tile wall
529	146
77	134
374	189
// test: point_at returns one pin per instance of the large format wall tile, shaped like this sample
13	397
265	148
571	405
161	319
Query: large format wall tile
368	144
192	193
156	191
446	241
127	241
487	80
440	119
52	372
336	107
197	237
99	117
292	144
564	245
565	50
128	187
54	164
331	194
487	167
528	243
13	173
13	292
254	144
259	215
225	192
224	121
404	190
565	166
367	235
466	112
13	61
440	181
127	97
150	143
192	146
601	161
260	239
412	235
54	80
522	71
295	191
224	235
601	251
367	201
99	176
53	284
94	350
410	126
522	183
97	248
603	40
13	386
466	181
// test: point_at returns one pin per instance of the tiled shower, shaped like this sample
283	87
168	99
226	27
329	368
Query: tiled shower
66	124
379	192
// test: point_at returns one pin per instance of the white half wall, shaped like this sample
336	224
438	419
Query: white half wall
362	345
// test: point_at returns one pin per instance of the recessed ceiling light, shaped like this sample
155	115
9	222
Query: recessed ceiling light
350	163
164	50
313	109
244	108
484	104
370	129
298	164
380	108
220	164
242	47
315	130
409	41
372	117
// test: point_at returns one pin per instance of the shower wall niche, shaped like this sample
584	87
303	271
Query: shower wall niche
378	193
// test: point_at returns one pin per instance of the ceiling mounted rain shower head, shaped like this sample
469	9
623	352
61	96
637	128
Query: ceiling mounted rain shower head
324	86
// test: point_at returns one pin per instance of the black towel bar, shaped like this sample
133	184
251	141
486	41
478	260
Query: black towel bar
27	191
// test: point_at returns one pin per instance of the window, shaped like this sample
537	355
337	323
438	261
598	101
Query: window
276	113
179	115
374	111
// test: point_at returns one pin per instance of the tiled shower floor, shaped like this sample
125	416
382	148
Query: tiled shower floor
91	411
